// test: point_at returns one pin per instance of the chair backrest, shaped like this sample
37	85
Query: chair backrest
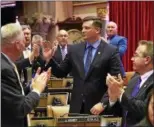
128	77
58	111
43	100
55	83
59	83
62	97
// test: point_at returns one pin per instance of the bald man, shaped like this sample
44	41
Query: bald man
119	41
62	48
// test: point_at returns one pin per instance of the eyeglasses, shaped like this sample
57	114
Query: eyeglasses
135	55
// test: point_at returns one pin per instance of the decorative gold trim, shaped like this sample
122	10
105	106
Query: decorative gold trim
89	3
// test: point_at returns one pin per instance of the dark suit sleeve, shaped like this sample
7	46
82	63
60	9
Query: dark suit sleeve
14	103
134	106
22	63
62	69
38	62
122	45
114	69
114	63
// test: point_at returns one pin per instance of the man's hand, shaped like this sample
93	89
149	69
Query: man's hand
97	109
34	53
48	50
36	50
40	80
115	86
111	80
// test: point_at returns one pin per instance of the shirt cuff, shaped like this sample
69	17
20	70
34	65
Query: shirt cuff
36	91
104	106
111	103
120	98
31	62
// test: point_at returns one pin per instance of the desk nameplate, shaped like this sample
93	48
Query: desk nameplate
79	119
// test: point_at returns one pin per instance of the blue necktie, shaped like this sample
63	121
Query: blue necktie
136	88
134	93
88	59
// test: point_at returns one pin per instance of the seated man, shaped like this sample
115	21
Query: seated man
132	100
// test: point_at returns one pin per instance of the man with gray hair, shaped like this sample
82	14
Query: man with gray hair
37	39
27	53
15	104
38	61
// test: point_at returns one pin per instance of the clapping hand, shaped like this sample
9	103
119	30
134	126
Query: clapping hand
115	86
48	50
39	82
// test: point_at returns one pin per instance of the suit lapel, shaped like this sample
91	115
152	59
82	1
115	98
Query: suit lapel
97	56
58	55
146	84
131	85
81	59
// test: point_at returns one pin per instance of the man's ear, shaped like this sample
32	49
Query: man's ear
148	59
98	30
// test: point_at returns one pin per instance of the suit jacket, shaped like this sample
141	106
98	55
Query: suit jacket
121	43
58	54
14	105
89	88
144	123
136	106
22	64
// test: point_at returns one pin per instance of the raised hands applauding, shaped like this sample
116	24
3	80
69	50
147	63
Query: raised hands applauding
115	87
39	82
49	49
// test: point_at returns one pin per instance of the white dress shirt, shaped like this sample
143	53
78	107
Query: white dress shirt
27	51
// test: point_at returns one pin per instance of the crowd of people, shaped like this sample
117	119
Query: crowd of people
95	65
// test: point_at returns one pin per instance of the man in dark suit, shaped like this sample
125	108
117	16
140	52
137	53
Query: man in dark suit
90	61
15	105
25	54
62	47
31	52
133	99
119	41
